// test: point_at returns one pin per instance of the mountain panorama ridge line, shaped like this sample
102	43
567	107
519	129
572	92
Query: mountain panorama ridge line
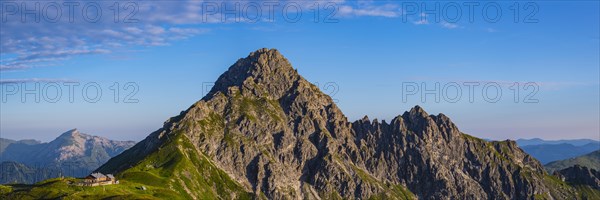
265	131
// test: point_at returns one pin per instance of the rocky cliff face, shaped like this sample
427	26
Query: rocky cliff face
581	175
277	136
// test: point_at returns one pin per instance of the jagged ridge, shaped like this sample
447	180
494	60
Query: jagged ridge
277	136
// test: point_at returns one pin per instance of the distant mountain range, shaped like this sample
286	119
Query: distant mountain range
265	132
538	141
71	154
6	142
553	150
590	160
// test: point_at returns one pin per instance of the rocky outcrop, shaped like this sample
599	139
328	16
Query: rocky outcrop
436	161
279	137
581	175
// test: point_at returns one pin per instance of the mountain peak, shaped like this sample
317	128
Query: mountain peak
267	61
265	71
416	113
265	51
418	110
365	119
278	135
70	133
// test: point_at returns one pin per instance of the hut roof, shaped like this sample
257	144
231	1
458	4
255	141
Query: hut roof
97	175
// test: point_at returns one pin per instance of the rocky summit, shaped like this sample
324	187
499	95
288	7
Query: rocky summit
581	175
263	131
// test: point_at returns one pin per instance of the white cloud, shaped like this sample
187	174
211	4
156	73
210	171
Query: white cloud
421	22
449	25
156	23
387	10
45	43
423	19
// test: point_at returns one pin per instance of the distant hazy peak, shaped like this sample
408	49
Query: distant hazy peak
539	141
70	133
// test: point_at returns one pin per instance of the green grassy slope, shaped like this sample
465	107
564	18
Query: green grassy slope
175	171
591	160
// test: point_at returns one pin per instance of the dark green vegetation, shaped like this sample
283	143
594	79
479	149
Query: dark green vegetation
586	192
13	172
591	160
567	191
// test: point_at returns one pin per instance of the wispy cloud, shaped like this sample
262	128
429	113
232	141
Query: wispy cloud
422	20
46	43
386	10
156	23
449	25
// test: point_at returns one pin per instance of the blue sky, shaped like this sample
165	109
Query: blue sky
366	52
